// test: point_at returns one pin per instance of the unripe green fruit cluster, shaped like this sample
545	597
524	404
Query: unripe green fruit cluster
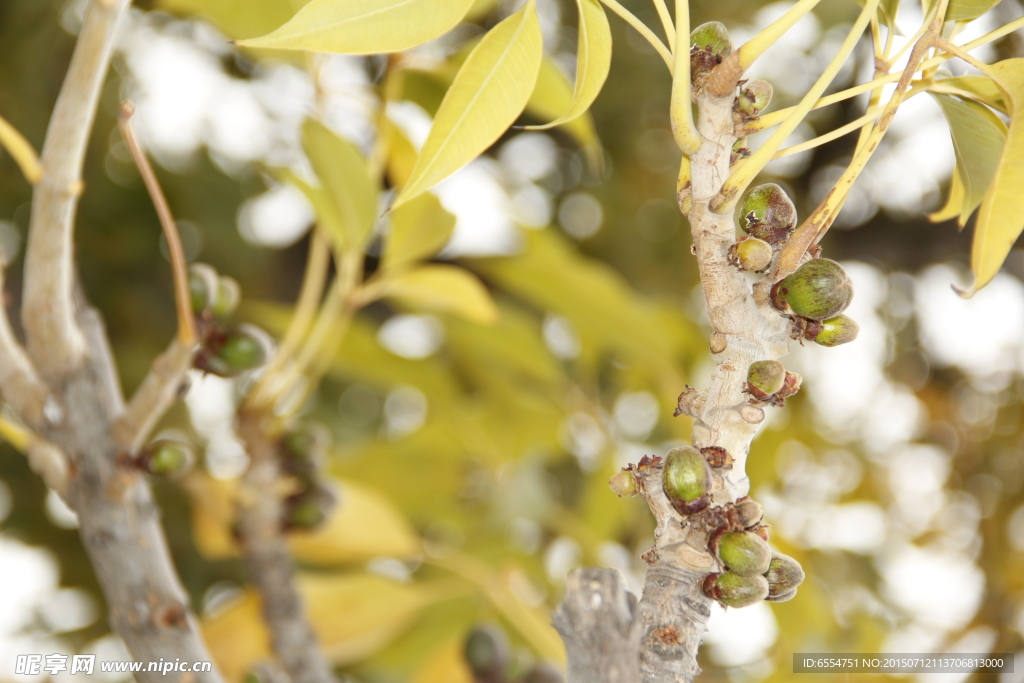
303	450
840	329
768	213
211	293
743	552
736	590
686	478
753	254
784	575
769	380
310	507
230	352
752	571
818	290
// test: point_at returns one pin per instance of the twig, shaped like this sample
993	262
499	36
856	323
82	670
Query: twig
268	560
21	151
20	385
160	388
44	458
54	340
179	267
643	30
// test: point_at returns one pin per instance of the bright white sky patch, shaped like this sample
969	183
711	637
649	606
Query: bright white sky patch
741	636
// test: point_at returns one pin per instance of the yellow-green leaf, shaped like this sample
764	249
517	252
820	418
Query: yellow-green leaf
954	202
593	60
443	288
487	95
418	230
329	220
447	665
1001	218
552	97
978	139
353	616
344	176
237	18
965	10
364	26
980	88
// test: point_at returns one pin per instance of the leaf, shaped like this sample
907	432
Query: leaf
418	230
978	139
237	18
344	176
364	26
448	665
980	88
965	10
329	220
366	525
553	96
488	94
1001	218
954	203
443	288
593	61
401	155
353	616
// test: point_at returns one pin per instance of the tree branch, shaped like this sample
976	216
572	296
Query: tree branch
268	560
55	341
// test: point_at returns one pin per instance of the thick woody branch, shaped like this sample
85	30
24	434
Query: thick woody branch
268	560
55	341
20	386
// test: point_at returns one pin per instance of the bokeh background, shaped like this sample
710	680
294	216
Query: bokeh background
473	460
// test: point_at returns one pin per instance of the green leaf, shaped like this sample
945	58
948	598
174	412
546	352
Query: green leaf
552	97
965	10
443	288
237	18
329	220
345	178
593	61
978	139
418	230
980	88
364	26
1001	218
487	95
954	203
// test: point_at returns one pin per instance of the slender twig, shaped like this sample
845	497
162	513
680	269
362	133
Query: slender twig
746	171
666	22
20	385
268	560
681	107
43	457
642	29
21	151
179	267
158	391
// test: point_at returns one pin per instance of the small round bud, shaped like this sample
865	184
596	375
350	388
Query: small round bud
229	295
753	254
686	478
744	552
748	512
784	576
167	458
791	385
709	45
838	330
242	348
819	289
765	378
754	97
202	286
486	651
735	590
623	483
766	210
310	508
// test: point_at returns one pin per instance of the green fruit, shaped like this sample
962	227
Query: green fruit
243	348
623	483
229	294
736	590
168	458
686	478
838	330
202	286
784	575
754	97
767	209
819	289
310	508
765	378
713	37
744	552
753	254
486	651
